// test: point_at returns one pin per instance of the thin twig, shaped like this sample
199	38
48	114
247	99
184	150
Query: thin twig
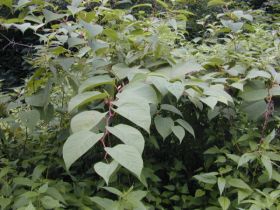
13	43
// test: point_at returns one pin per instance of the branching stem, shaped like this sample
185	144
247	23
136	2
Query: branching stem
13	43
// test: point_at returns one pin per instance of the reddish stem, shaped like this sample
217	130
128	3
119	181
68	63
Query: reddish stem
108	120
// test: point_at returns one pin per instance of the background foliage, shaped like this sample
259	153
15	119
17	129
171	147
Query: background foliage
140	105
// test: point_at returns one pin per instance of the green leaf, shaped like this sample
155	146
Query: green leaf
41	98
160	83
176	88
210	101
30	207
4	171
29	118
240	14
270	137
235	27
224	202
254	110
275	91
219	93
209	178
134	198
22	27
164	125
221	184
98	44
112	34
142	91
77	145
106	170
179	132
275	176
238	85
4	202
55	193
199	193
187	126
141	5
83	51
50	203
84	98
74	10
43	188
242	194
254	73
113	190
86	120
163	4
92	29
216	3
37	172
76	3
66	63
74	41
187	67
254	95
96	81
233	157
238	183
7	3
23	181
245	158
105	203
121	70
127	156
135	110
128	135
171	108
50	16
267	164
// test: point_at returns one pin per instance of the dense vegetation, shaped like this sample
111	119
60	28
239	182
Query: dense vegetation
134	105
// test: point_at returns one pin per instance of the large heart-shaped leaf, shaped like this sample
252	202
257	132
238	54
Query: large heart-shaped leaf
127	156
128	135
77	145
136	110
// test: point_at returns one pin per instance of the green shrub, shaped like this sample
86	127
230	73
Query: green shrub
122	112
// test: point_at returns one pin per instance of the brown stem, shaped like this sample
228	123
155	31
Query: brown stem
267	114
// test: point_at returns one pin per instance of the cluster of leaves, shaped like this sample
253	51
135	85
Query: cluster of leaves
123	112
